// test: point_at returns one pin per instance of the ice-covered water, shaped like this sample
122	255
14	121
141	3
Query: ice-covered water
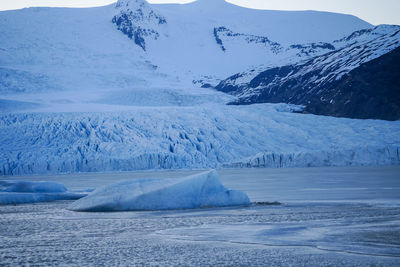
329	216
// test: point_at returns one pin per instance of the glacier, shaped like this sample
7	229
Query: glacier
195	191
198	137
22	192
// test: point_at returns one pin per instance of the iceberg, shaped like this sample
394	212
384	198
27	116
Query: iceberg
32	187
22	192
195	191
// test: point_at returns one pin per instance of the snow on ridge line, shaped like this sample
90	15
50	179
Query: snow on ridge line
194	191
188	138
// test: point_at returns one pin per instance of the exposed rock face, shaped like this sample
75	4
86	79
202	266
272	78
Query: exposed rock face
138	21
346	82
371	91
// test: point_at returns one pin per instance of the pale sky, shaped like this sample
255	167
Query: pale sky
373	11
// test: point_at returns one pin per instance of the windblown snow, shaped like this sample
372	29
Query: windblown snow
195	191
116	88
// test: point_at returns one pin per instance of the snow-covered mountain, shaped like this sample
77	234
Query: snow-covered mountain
133	53
216	38
123	87
138	21
314	83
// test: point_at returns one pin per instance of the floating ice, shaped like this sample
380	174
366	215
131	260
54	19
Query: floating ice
195	191
32	187
19	192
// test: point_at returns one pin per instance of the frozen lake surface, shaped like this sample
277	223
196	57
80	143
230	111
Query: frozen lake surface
329	216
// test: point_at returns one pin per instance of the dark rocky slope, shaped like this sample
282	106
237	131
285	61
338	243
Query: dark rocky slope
360	80
371	91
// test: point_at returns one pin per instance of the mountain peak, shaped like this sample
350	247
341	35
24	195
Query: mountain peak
138	21
385	28
210	3
130	3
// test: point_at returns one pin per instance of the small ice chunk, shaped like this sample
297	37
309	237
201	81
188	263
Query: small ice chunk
32	187
20	192
195	191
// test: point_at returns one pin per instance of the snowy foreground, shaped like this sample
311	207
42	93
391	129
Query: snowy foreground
336	216
206	136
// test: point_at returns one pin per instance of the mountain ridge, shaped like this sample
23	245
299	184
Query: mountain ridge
313	83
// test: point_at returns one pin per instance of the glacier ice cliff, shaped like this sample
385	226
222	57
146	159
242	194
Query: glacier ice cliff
190	137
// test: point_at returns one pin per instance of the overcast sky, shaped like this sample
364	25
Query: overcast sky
373	11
